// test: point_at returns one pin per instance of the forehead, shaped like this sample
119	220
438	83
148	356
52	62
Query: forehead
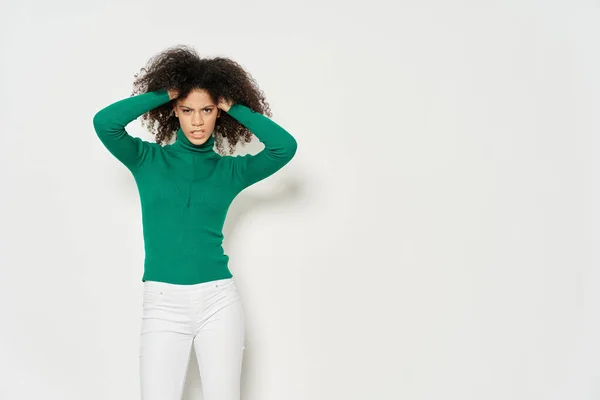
196	99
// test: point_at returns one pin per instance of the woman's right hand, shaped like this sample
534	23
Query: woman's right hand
173	93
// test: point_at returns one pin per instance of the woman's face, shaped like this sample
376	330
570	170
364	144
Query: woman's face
197	116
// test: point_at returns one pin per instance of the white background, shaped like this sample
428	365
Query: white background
433	238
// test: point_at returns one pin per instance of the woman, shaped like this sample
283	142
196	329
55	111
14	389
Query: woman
186	187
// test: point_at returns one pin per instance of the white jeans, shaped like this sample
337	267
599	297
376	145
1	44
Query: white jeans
208	316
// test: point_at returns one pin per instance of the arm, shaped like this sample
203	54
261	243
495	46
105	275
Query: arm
280	146
110	123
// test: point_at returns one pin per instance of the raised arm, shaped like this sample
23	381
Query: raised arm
110	123
280	147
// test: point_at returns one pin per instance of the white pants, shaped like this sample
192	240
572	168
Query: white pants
208	316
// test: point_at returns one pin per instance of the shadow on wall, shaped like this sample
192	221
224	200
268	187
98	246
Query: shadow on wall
288	190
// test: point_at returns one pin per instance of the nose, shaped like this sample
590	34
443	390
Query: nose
197	120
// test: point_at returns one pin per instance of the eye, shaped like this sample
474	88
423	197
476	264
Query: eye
185	111
208	110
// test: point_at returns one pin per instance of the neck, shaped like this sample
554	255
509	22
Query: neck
184	143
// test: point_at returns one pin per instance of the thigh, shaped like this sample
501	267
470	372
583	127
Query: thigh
219	347
165	345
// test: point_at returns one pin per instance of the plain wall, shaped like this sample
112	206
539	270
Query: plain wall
432	239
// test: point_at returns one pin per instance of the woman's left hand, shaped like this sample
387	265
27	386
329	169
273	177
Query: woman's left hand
224	105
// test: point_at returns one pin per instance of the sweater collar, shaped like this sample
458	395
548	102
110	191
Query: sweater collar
183	143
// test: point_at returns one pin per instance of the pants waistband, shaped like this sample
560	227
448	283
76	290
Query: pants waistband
173	287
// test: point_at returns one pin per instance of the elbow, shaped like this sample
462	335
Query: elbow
102	124
98	122
292	147
97	117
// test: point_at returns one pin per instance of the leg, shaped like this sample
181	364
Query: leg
165	345
219	345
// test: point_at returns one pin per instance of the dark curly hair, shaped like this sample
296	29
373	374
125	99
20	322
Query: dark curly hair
181	68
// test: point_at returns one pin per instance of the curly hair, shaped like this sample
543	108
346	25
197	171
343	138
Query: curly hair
182	69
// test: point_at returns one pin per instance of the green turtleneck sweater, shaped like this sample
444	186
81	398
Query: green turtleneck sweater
186	189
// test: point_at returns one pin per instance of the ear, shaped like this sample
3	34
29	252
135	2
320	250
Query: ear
175	110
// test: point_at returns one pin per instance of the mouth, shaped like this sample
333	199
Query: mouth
198	133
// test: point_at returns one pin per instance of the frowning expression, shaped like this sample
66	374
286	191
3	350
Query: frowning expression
197	114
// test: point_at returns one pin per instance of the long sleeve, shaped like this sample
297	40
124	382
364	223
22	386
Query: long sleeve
280	146
110	123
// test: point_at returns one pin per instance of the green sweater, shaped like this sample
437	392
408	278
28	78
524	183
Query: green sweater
186	189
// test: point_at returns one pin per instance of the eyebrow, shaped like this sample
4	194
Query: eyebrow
191	108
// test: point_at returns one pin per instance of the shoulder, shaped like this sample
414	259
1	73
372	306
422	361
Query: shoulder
226	162
152	154
153	147
230	167
233	161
